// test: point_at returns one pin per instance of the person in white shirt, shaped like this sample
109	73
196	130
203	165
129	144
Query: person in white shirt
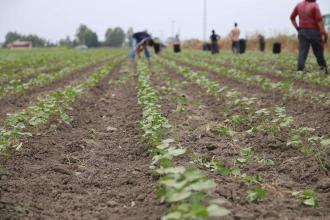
234	35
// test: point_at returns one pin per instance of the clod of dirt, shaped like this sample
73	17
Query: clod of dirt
211	147
323	185
327	159
141	197
61	169
75	146
92	143
112	204
243	215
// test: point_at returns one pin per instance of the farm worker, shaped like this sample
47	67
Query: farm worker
157	46
262	43
140	43
176	44
311	32
234	35
214	42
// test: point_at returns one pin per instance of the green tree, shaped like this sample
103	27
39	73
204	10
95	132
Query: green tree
36	41
129	36
66	42
114	37
87	36
108	37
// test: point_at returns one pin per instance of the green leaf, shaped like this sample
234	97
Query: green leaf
217	211
172	216
325	142
310	202
255	195
174	196
203	185
176	152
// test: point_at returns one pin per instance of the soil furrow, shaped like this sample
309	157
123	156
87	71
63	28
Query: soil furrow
96	169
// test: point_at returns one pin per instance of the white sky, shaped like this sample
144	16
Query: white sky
55	19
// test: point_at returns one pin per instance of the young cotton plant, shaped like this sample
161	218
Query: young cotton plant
256	195
185	189
153	122
188	188
307	197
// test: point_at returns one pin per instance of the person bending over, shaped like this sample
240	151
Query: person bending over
140	43
311	32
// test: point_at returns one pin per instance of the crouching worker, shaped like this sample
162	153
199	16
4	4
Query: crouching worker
311	32
140	42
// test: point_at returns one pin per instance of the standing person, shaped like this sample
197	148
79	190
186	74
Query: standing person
140	41
157	46
311	32
176	44
262	43
214	42
234	35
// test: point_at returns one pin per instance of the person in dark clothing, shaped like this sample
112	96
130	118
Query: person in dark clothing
262	43
157	46
177	44
214	42
140	43
311	32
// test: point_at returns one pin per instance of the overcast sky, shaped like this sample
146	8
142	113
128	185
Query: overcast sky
55	19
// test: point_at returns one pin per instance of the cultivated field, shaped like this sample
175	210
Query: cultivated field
89	135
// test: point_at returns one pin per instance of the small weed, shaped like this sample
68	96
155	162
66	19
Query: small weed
256	195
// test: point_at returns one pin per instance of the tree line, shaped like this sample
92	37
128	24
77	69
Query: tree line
114	37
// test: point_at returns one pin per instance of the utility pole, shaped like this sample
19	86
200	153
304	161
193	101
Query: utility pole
205	21
173	27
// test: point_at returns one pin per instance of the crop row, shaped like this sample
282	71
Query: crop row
186	189
286	88
243	110
42	79
273	124
56	103
281	66
19	69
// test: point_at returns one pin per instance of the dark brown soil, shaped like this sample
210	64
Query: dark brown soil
293	171
17	102
96	169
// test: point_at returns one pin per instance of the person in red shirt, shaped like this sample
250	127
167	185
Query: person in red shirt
311	32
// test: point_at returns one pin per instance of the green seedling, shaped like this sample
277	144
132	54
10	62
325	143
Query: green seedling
251	179
256	195
218	166
307	197
224	131
246	154
268	162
